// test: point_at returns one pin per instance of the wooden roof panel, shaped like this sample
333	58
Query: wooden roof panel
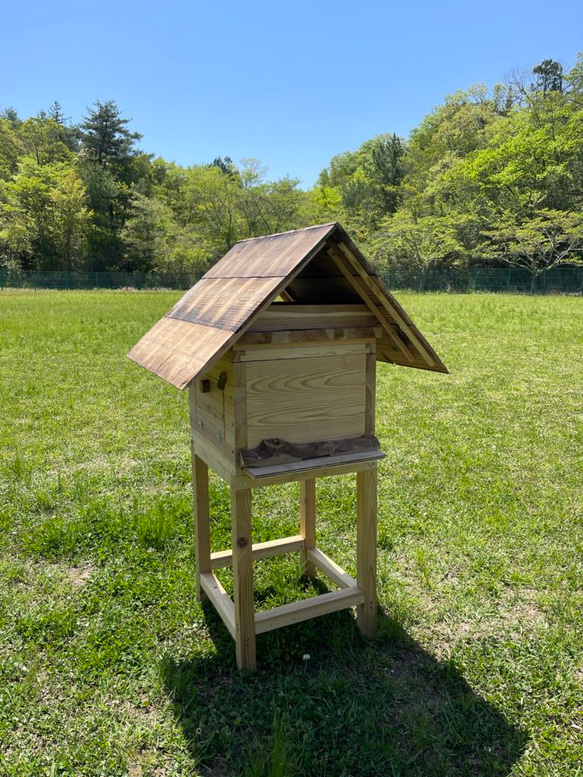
272	255
177	350
215	313
226	303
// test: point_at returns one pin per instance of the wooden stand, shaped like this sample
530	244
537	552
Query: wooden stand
239	614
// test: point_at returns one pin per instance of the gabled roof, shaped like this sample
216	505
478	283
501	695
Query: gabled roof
214	314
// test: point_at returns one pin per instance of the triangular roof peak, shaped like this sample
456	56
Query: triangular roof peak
302	263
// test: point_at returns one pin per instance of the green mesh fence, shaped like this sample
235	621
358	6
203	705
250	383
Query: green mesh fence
561	280
40	279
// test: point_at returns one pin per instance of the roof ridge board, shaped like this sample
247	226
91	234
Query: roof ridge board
287	232
239	277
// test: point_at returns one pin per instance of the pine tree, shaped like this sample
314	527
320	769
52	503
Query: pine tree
105	137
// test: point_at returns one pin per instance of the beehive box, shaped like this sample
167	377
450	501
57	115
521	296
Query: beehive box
278	344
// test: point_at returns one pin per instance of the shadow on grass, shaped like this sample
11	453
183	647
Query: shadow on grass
355	708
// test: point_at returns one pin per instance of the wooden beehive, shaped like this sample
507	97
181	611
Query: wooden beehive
277	344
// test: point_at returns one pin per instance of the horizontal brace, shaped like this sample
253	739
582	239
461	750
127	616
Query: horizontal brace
330	568
224	558
306	336
307	608
213	588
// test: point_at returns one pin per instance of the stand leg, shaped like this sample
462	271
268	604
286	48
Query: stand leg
243	578
200	485
308	523
366	549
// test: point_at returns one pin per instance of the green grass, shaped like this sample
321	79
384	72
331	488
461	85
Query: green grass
109	666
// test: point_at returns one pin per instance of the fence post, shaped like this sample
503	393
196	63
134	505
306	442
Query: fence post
545	281
508	279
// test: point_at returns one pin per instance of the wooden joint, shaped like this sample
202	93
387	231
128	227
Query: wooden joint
330	568
221	600
224	558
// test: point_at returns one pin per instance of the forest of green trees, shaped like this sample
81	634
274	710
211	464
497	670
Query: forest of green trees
489	177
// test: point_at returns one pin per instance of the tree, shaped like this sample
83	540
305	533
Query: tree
549	76
42	139
416	244
9	114
45	220
11	149
67	134
146	234
105	137
548	239
268	206
71	219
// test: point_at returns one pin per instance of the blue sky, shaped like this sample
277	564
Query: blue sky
290	84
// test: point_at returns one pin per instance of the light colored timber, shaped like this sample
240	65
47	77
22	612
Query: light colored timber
202	542
302	400
305	609
308	524
358	284
306	336
240	407
330	568
386	303
243	578
224	558
220	599
213	456
280	316
371	386
366	549
316	350
315	465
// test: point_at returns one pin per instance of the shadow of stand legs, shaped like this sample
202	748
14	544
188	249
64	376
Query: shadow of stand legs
356	707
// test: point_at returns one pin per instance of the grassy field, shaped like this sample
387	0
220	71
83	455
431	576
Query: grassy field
108	666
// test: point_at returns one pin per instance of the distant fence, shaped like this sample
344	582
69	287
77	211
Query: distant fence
40	279
561	280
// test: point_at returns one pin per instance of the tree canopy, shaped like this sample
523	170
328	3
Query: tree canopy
490	177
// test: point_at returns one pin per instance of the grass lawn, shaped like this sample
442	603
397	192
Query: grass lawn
109	666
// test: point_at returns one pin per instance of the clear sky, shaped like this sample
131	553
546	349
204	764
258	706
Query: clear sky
290	83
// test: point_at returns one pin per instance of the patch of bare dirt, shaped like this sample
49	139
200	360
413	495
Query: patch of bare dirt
79	576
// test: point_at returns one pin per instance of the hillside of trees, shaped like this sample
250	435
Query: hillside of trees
489	177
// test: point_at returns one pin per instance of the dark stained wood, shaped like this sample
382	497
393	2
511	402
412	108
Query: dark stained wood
178	351
272	255
225	303
322	290
277	451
